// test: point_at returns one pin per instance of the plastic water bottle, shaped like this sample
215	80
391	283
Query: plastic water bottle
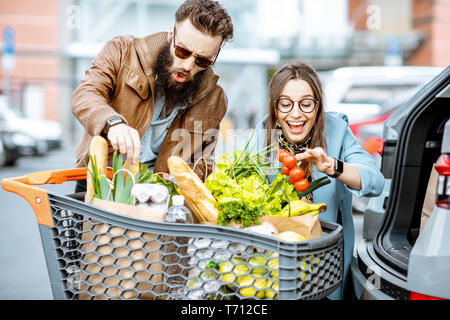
175	246
178	213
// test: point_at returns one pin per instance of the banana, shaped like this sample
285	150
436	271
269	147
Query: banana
300	207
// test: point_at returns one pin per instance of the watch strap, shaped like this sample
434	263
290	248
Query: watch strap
338	168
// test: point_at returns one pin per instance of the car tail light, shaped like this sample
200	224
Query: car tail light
419	296
443	189
380	149
372	144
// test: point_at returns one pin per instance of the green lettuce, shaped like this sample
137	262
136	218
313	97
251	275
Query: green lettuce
250	195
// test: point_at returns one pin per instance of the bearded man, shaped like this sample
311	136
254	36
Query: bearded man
157	96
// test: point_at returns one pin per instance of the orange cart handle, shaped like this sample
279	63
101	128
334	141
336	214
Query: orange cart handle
24	186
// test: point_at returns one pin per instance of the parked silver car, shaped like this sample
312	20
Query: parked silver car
395	260
15	145
47	134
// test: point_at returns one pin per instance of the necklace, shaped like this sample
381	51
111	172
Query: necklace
295	148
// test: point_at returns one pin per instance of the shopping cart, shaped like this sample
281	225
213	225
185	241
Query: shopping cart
95	254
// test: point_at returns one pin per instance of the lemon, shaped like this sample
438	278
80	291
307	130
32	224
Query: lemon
248	290
258	261
291	236
271	291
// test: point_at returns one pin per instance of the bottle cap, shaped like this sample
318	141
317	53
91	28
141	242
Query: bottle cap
178	200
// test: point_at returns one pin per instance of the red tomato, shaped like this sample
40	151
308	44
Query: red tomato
301	185
289	161
291	180
296	173
285	170
281	154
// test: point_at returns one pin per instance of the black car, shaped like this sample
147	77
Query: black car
382	268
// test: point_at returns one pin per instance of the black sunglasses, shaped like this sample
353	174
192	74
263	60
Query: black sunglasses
184	53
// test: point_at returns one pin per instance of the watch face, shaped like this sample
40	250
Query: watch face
114	121
338	166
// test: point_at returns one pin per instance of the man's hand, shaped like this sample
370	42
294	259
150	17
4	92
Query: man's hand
126	140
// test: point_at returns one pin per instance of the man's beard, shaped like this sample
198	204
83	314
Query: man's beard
175	93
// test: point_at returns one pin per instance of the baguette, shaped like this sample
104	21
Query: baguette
99	151
198	197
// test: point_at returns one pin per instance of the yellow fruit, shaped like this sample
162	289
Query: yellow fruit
303	265
241	269
271	254
273	263
247	289
291	236
274	275
300	207
271	291
237	260
227	277
257	261
229	270
225	266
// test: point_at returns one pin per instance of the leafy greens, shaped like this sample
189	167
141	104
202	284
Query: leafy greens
244	197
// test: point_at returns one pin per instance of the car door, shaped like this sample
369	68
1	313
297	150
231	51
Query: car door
413	136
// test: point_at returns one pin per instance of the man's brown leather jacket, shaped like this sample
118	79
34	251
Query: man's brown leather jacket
121	82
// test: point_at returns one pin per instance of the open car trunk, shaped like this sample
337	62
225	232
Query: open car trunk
408	160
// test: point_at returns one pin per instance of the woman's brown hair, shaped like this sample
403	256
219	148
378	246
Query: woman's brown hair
207	16
291	71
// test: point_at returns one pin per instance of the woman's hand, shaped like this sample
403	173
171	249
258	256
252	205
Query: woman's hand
319	158
325	164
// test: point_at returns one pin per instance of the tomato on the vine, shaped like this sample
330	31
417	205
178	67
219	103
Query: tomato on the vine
301	185
281	154
291	180
289	161
285	170
296	173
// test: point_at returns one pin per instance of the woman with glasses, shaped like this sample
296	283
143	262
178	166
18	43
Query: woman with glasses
324	144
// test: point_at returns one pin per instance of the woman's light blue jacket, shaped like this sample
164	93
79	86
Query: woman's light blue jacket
341	144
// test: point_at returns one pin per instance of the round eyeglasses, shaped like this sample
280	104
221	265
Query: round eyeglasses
306	105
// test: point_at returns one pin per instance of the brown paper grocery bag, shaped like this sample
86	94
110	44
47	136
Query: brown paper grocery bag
307	225
116	262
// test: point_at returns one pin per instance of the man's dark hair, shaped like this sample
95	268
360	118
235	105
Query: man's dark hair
207	16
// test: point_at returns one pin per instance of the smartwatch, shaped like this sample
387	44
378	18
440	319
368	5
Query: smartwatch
338	168
112	122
